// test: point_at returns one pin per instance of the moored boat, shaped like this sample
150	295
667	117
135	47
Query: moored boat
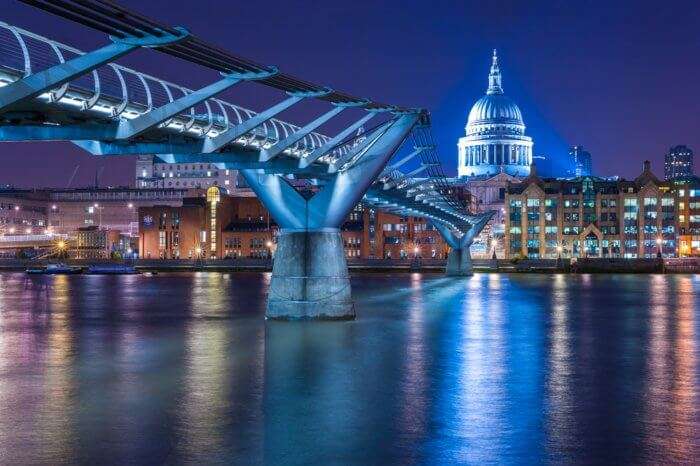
54	269
112	269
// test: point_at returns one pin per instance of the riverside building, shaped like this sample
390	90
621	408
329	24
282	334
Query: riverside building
592	217
224	226
152	173
687	190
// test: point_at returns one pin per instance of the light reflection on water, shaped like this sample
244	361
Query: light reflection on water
487	369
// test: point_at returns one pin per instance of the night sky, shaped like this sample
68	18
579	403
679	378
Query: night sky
620	78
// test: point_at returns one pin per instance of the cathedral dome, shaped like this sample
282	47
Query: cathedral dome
495	109
495	139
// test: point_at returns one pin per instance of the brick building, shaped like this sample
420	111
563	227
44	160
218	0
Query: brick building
221	226
592	217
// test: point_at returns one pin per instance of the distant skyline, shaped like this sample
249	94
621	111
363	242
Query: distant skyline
618	78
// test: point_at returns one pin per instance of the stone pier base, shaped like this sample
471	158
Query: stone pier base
310	278
459	263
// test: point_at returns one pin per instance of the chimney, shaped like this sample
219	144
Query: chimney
647	166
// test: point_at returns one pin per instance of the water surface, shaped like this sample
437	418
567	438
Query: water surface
507	369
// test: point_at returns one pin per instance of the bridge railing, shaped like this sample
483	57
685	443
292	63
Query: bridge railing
114	90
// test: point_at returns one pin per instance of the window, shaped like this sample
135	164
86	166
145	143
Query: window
649	201
161	239
533	202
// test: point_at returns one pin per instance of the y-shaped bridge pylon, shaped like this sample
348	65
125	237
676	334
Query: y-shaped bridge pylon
310	276
459	260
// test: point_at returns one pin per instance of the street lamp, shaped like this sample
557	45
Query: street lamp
559	250
659	243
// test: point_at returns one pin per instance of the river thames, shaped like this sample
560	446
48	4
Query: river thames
183	368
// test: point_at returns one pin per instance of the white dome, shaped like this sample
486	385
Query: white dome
495	109
495	139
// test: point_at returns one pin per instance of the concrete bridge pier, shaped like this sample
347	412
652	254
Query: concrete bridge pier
459	262
310	277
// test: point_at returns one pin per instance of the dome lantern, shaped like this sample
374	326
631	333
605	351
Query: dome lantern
494	77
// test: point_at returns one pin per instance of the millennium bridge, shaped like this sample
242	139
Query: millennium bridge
50	91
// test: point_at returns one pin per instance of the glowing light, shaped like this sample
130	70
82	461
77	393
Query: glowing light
61	245
28	231
659	241
130	205
54	207
268	244
16	207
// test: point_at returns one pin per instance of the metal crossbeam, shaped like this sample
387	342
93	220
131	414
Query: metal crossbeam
235	132
333	142
130	128
286	143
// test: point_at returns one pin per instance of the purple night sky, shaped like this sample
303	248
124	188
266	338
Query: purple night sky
619	78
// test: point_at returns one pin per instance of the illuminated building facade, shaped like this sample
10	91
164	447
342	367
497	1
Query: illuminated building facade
687	189
495	139
592	217
152	173
222	226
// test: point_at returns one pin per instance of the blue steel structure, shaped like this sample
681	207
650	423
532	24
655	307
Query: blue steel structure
50	91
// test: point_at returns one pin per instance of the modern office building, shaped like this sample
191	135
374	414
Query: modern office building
580	162
153	173
678	162
495	140
592	217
